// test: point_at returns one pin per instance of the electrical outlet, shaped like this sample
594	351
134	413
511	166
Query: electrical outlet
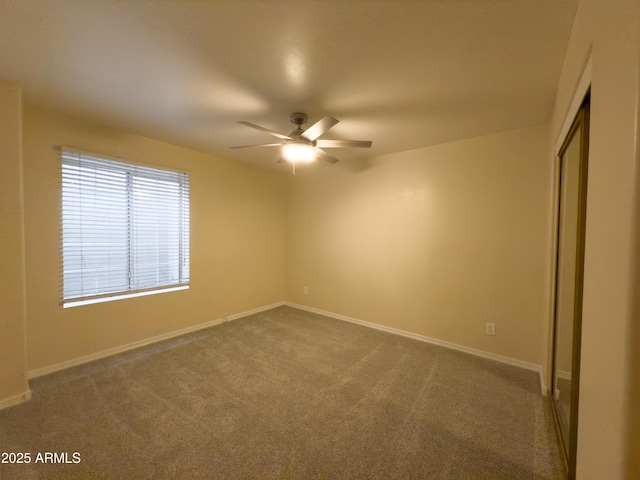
305	290
490	328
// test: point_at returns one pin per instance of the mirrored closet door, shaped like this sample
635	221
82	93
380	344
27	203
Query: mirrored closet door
569	279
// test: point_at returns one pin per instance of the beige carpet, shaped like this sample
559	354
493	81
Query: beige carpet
286	394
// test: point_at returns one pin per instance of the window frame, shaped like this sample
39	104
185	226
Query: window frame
133	172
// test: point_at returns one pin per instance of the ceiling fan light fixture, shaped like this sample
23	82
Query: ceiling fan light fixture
298	152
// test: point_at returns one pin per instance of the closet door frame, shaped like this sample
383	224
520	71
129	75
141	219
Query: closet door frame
581	124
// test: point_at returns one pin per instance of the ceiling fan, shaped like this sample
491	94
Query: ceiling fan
303	145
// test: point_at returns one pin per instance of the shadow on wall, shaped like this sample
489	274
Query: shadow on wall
358	165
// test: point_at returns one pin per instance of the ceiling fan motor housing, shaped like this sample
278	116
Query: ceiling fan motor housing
299	118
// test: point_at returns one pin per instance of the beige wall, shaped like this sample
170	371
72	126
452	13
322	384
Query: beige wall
237	243
632	440
610	33
13	381
435	241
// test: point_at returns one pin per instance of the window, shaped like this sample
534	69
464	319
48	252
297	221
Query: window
125	228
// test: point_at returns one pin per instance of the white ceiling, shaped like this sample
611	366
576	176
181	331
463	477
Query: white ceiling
402	73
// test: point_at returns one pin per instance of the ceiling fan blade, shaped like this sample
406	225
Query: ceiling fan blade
259	145
343	144
318	128
265	130
281	160
325	156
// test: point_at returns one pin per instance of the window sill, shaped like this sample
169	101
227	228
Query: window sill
90	301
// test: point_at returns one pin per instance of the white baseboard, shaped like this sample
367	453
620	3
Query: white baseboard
255	310
39	372
15	400
454	346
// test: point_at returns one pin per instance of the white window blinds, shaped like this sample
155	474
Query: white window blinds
125	228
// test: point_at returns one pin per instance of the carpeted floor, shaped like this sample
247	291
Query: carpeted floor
286	394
